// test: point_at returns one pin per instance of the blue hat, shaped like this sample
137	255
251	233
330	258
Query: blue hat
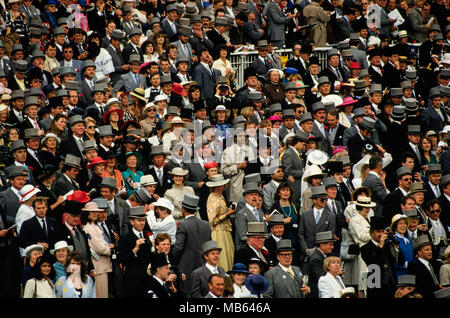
53	2
256	284
290	70
239	268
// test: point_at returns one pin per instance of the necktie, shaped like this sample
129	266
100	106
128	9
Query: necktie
140	235
44	227
334	207
436	281
77	235
438	193
91	84
349	185
80	48
36	124
160	176
318	217
291	272
261	256
413	235
255	213
136	79
266	63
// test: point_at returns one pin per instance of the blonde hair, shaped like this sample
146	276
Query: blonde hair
328	260
247	112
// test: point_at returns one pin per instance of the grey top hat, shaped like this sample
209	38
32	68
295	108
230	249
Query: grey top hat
221	21
157	150
363	73
143	196
135	58
38	53
205	14
253	177
58	31
17	47
368	123
184	22
72	86
345	160
405	84
16	171
317	106
62	92
135	31
420	241
276	219
302	136
101	203
413	130
288	113
417	187
56	71
442	293
359	112
290	86
196	18
329	182
262	44
88	63
118	35
31	133
438	37
242	7
137	212
445	91
406	280
434	168
21	66
411	75
324	237
210	246
191	8
323	80
17	94
275	108
347	53
255	96
31	100
171	7
89	145
398	113
332	52
284	245
412	214
66	70
186	31
33	91
396	92
165	79
17	144
411	105
72	161
318	191
359	85
190	202
255	228
105	131
402	171
444	72
109	183
445	180
434	92
126	9
375	88
305	117
251	187
222	80
354	36
75	119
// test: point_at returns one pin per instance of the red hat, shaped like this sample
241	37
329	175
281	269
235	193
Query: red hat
348	101
118	110
96	161
355	65
210	164
79	196
178	89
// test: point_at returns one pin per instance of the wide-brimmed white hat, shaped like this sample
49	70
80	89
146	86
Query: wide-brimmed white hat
397	218
178	171
59	245
164	203
50	135
317	157
147	180
219	108
314	170
150	105
33	247
27	192
160	97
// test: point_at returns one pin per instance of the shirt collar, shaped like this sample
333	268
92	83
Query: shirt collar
249	207
136	232
211	268
159	280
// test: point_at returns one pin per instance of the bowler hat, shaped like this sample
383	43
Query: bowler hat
210	246
89	145
88	63
377	223
368	123
317	106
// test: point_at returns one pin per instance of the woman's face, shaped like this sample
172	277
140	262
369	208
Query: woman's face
275	76
46	269
238	278
196	94
401	226
96	41
221	116
364	212
311	145
285	193
151	188
51	143
149	49
90	128
219	189
99	169
334	267
61	255
151	112
132	162
92	216
160	40
178	180
114	116
34	255
254	268
388	109
163	246
223	53
276	125
426	145
13	135
3	116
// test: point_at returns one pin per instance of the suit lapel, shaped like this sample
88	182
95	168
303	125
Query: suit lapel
287	281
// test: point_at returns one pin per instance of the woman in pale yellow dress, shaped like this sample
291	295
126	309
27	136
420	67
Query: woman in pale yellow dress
218	213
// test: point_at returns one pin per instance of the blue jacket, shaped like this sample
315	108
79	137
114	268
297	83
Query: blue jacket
65	288
407	251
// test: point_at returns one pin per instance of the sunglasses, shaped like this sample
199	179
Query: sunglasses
91	127
322	199
152	110
407	179
286	255
435	211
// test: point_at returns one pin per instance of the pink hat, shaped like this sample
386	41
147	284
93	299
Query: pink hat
348	101
274	118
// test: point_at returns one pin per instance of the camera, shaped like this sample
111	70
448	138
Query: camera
113	219
232	205
391	239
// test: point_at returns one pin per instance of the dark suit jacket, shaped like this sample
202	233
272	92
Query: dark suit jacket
35	164
308	227
62	186
199	281
206	80
196	174
424	281
445	213
328	72
9	203
167	183
315	270
260	67
391	76
271	246
69	146
379	192
31	232
339	136
153	289
432	120
191	234
117	62
217	39
136	265
245	254
376	77
172	36
297	64
391	205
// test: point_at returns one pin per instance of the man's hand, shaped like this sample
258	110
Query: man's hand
422	227
383	239
242	165
44	245
3	233
305	289
287	220
291	179
230	211
125	67
139	242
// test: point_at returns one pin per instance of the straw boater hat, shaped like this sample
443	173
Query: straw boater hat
365	202
217	181
397	218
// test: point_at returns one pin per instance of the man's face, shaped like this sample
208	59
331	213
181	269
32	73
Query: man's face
106	193
165	66
289	123
285	258
138	224
413	224
213	257
409	205
434	212
347	172
314	69
425	252
334	60
78	129
419	197
320	203
319	116
414	139
376	61
33	143
290	95
98	97
167	88
18	182
205	57
331	192
376	235
409	163
435	178
278	175
40	208
405	181
107	141
251	198
73	98
332	121
326	248
257	242
307	126
277	230
89	72
217	286
68	53
60	39
72	219
20	155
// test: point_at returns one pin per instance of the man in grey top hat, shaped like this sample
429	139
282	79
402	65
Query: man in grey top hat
184	47
87	85
434	116
67	180
131	80
9	199
358	142
20	154
73	143
391	204
191	234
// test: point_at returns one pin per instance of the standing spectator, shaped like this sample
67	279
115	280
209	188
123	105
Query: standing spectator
313	13
276	23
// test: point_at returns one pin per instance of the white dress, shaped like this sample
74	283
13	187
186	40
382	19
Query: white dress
241	292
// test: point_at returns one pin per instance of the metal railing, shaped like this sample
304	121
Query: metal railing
242	60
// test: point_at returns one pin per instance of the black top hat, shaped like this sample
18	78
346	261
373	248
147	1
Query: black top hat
377	223
158	260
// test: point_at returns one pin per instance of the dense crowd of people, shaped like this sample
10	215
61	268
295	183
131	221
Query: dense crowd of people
135	164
